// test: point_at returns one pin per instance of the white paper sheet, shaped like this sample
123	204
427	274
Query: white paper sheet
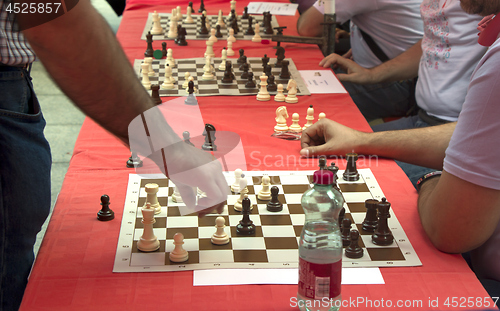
279	276
322	82
276	8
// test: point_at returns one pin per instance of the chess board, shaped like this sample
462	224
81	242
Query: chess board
275	243
192	29
216	87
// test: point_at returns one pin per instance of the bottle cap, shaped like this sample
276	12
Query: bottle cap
323	177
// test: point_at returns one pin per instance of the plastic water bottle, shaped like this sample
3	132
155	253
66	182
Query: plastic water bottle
320	246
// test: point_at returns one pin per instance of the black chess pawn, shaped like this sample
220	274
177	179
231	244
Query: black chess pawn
241	59
244	68
134	161
190	4
285	73
209	134
245	13
383	235
370	222
250	82
234	25
164	49
271	86
191	98
353	250
187	138
267	70
351	172
244	60
341	217
322	163
202	7
334	169
155	94
245	226
218	33
250	31
228	73
274	205
346	228
105	213
203	27
280	56
181	37
265	61
149	49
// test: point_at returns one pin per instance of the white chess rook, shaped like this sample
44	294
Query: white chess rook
152	197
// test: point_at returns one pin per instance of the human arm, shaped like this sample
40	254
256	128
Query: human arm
457	215
84	58
327	137
309	23
402	67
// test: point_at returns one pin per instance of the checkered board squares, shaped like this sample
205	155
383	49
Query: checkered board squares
215	87
275	242
192	29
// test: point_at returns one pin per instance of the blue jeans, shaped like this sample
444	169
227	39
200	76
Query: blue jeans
381	100
414	172
24	182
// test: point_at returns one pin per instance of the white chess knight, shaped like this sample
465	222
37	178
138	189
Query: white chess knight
220	237
178	254
295	127
156	30
265	193
291	97
145	76
281	116
148	241
151	196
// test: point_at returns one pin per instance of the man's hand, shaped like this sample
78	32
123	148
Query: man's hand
355	73
327	137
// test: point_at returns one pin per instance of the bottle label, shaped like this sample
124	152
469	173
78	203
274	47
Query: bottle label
317	281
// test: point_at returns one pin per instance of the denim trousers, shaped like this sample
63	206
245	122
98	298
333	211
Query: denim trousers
25	163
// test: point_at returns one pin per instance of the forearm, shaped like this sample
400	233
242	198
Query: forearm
403	67
84	58
422	146
309	23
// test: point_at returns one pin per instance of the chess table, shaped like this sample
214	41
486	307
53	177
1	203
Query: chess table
74	267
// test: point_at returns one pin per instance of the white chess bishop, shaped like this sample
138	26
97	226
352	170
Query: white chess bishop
220	237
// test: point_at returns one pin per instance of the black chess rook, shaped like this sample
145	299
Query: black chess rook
371	219
351	172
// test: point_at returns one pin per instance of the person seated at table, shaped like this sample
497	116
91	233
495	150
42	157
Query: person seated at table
81	53
443	60
459	202
380	30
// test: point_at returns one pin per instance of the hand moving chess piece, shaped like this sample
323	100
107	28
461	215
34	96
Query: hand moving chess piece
105	213
220	236
148	241
179	254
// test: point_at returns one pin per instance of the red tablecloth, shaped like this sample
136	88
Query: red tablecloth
73	270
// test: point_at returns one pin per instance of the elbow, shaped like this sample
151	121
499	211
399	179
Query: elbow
306	30
453	243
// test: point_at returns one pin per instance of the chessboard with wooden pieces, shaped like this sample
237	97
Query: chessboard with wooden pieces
274	244
215	86
192	29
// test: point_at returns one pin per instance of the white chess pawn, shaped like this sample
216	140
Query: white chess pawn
212	37
167	84
281	116
295	127
257	37
149	61
243	194
223	59
265	193
148	241
187	88
151	196
233	7
156	30
220	20
321	115
170	58
210	49
179	14
186	80
231	35
145	76
172	32
189	19
176	196
207	75
309	117
235	187
220	236
279	97
178	254
230	51
263	94
291	96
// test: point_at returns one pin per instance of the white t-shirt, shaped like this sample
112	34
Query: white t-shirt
395	25
472	153
450	54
